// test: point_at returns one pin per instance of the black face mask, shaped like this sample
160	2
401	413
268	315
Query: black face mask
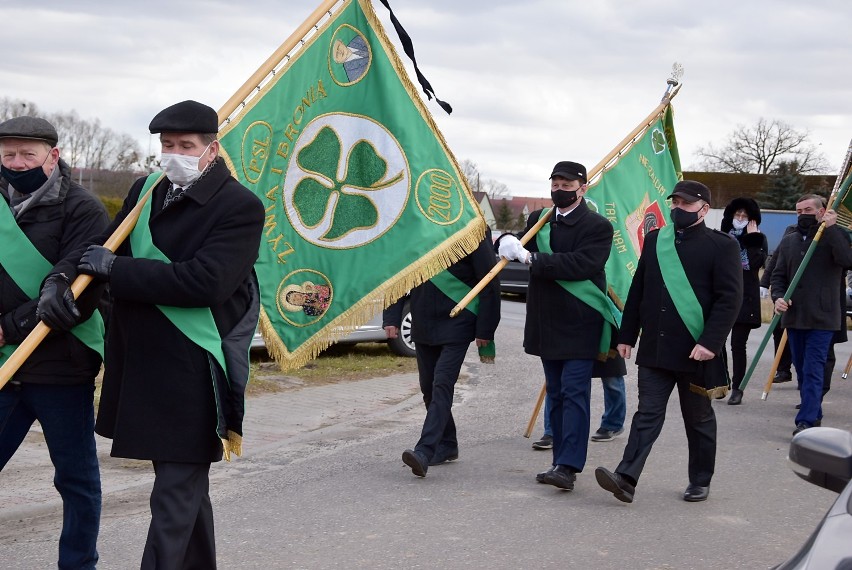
806	221
25	181
682	219
563	198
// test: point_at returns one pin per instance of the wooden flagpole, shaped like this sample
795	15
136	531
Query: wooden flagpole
671	90
778	354
38	334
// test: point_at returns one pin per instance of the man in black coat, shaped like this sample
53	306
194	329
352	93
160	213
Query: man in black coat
185	306
814	314
568	317
684	299
441	342
45	216
785	363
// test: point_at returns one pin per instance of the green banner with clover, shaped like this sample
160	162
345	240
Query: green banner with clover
632	193
364	199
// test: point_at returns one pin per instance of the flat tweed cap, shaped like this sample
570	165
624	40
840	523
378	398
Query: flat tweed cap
185	117
33	128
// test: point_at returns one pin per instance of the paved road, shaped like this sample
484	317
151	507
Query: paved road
322	486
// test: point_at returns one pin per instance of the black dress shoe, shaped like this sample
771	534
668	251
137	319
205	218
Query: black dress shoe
800	427
696	493
616	484
416	461
781	377
444	455
561	476
540	476
736	397
546	442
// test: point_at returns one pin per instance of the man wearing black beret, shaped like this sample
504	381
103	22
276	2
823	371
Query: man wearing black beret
44	216
185	307
684	299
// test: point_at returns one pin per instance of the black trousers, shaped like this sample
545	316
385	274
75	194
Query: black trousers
438	367
739	358
655	387
181	531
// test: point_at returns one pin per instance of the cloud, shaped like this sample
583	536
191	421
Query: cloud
531	82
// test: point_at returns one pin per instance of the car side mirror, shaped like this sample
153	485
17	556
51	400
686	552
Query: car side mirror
825	454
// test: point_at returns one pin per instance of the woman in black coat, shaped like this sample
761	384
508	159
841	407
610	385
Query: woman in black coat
740	220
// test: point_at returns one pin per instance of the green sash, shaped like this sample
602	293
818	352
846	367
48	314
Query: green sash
196	323
678	286
456	289
585	291
27	267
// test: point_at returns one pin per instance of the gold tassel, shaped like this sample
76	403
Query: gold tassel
713	393
234	444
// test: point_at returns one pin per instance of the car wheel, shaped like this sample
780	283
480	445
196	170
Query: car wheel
402	344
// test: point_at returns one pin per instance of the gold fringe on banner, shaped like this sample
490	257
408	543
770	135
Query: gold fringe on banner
453	249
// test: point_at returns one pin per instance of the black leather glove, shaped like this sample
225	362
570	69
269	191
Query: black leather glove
56	306
97	262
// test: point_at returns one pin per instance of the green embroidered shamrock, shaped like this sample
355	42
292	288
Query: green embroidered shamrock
364	170
658	141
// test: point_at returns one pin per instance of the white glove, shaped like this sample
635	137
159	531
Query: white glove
511	248
764	292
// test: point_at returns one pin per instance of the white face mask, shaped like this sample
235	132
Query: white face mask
740	224
181	169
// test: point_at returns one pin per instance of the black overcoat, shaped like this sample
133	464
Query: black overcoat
711	261
756	248
56	226
816	303
157	401
559	326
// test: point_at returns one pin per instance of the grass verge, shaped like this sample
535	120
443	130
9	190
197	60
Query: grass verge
338	363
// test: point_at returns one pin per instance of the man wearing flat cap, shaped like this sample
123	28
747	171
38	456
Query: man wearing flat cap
185	307
569	323
44	216
684	299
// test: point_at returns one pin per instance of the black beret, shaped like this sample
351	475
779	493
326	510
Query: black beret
691	191
29	128
569	170
185	117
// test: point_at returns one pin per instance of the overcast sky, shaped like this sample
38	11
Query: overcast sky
531	82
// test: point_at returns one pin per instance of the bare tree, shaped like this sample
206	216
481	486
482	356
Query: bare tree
759	148
470	171
495	189
75	135
127	154
10	108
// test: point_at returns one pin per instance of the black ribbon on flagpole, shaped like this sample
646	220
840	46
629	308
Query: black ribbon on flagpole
408	46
